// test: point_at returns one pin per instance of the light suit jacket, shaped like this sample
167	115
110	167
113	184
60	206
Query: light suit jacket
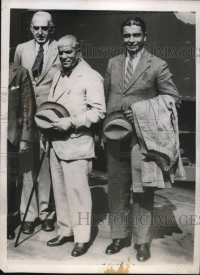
21	105
150	78
84	99
156	125
25	56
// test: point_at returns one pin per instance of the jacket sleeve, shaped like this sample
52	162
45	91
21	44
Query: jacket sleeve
17	57
95	103
165	83
28	107
107	81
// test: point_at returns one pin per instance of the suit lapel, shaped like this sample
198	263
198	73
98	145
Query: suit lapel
142	65
74	77
29	52
51	56
120	70
12	73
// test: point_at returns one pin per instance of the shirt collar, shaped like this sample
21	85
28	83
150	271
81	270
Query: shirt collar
45	46
137	55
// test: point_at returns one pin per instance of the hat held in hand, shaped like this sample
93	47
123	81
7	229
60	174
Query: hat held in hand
117	127
47	113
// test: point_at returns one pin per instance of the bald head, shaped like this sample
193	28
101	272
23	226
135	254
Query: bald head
42	27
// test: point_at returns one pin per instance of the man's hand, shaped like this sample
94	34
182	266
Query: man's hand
63	124
129	115
23	146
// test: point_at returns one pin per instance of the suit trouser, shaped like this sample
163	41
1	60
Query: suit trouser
12	174
39	206
119	185
72	196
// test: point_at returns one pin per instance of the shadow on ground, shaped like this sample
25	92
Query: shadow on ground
163	219
100	209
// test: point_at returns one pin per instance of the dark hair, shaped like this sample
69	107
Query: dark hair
134	21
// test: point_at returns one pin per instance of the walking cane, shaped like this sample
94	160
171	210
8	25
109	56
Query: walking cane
30	198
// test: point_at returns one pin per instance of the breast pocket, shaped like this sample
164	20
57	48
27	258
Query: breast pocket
14	97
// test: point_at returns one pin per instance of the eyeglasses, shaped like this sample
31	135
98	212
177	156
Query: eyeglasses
44	28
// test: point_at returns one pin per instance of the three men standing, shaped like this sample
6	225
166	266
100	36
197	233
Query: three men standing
131	77
40	57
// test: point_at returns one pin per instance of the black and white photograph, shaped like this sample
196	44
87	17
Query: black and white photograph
99	137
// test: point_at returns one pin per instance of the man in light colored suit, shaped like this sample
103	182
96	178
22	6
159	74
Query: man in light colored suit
40	57
80	90
132	77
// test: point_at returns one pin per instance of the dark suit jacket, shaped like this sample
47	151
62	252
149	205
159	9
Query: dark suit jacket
21	105
151	78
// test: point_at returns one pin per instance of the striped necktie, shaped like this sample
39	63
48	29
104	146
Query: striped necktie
37	66
129	73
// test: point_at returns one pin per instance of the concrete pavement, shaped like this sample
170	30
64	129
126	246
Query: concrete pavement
172	234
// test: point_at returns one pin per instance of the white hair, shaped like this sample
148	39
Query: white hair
43	14
72	38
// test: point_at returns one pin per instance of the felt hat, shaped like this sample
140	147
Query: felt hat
47	113
117	127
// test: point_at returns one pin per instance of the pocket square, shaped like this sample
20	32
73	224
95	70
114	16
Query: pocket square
14	87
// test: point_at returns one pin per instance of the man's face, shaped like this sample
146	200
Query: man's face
67	54
41	29
133	38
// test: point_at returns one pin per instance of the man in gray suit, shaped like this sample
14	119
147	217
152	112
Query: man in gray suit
21	109
131	77
40	57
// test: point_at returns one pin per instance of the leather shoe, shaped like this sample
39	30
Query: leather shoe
80	249
48	225
28	228
143	252
10	234
59	240
117	245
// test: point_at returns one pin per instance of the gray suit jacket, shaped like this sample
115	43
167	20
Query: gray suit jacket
25	56
21	106
151	78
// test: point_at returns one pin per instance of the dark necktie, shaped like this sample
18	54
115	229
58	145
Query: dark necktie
129	72
37	66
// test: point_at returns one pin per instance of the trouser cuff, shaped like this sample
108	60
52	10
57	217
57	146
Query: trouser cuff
65	233
141	240
119	235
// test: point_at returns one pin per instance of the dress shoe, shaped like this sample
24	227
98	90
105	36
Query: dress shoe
60	240
117	245
10	234
143	252
48	225
28	228
80	249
